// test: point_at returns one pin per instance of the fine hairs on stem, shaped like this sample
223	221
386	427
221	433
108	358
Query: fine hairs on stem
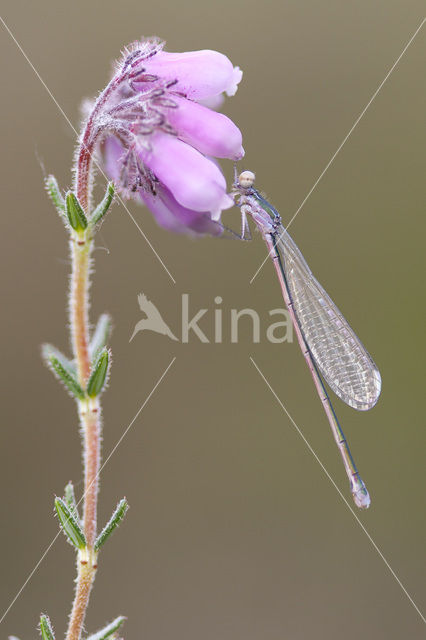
144	132
85	376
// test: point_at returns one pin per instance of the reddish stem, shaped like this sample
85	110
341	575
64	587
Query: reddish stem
81	245
79	307
92	433
83	178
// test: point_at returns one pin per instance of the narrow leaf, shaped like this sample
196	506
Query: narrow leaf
76	215
103	206
55	195
46	629
99	374
48	350
63	369
116	518
70	524
108	630
100	335
70	501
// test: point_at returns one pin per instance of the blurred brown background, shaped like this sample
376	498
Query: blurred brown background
234	531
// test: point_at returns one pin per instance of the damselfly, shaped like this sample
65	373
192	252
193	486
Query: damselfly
330	347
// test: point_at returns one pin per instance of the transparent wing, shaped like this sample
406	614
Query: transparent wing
340	356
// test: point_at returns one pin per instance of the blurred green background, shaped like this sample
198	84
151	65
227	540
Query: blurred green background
234	531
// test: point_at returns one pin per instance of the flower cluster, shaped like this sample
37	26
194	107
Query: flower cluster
158	132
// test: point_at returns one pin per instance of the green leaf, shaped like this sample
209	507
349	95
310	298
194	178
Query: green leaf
46	629
48	350
99	374
100	336
70	501
76	215
55	195
107	632
63	369
70	524
103	206
115	520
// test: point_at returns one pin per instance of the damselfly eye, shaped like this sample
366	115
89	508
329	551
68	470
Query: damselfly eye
246	179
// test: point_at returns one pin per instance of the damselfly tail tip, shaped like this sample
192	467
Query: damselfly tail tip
362	498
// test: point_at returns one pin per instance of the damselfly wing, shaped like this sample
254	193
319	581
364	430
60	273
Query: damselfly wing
339	355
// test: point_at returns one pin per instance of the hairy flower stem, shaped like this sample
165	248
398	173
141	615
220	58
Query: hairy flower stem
85	577
89	412
83	176
91	428
79	304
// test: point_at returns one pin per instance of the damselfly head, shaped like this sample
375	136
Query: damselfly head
246	179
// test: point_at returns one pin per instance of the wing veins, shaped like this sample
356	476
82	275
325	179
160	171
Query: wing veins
338	353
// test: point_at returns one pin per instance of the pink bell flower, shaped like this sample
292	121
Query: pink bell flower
158	139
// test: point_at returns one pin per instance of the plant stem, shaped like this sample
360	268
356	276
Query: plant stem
83	176
79	304
89	409
91	432
85	577
87	558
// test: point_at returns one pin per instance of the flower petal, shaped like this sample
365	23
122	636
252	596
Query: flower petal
200	74
194	180
232	87
214	102
211	133
112	153
161	212
172	216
